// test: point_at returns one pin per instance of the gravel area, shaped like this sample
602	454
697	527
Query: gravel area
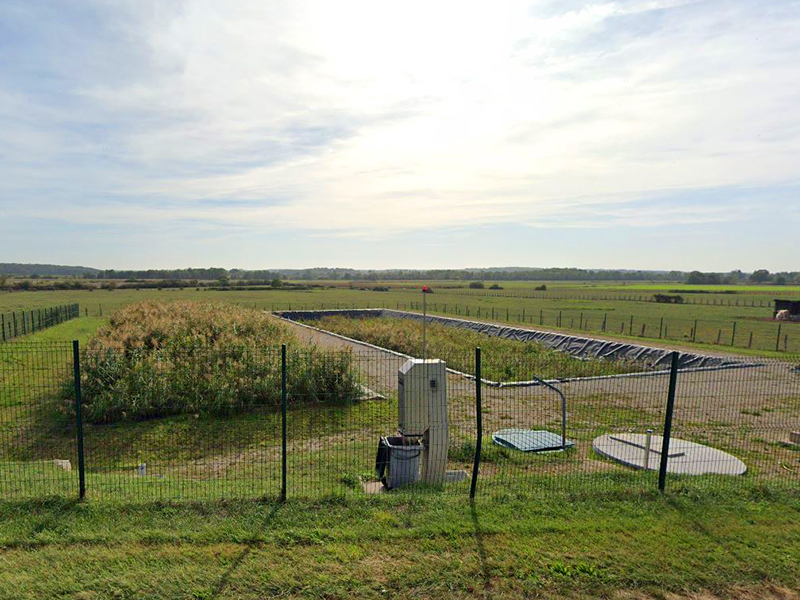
750	411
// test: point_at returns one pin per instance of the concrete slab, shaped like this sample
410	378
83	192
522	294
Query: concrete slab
373	487
685	458
455	476
376	487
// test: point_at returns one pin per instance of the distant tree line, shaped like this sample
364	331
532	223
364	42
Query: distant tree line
191	276
760	276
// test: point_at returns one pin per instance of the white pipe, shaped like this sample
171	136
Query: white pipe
647	449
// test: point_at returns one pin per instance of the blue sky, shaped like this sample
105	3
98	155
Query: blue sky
635	134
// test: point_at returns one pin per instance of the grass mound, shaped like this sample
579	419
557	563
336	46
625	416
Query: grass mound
502	359
155	359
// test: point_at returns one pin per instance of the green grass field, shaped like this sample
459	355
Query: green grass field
583	309
406	546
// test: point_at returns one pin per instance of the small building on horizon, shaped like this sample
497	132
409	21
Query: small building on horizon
792	306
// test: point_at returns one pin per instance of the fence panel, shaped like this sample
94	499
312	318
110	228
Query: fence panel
749	413
193	423
596	403
38	455
23	322
333	439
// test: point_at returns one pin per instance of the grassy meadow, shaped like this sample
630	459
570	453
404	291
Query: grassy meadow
742	544
591	308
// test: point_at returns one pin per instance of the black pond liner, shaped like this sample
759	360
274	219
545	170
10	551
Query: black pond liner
658	359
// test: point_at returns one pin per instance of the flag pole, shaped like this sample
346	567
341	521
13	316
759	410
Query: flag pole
424	323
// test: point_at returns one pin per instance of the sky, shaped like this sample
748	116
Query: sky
659	134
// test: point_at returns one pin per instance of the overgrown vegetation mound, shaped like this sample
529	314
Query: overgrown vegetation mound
502	359
155	359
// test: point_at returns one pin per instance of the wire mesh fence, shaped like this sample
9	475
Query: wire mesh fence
756	331
38	444
196	423
23	322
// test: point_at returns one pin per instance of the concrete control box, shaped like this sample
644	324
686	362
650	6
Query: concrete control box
422	408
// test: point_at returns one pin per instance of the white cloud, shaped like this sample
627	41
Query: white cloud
369	118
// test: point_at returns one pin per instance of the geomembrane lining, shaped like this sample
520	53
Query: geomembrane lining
657	359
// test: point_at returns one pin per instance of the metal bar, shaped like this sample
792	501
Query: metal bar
673	380
479	421
283	422
424	323
778	339
76	366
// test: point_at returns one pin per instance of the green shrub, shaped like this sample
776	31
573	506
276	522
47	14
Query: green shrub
157	359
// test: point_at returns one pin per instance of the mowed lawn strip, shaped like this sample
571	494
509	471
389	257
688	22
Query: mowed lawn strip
404	546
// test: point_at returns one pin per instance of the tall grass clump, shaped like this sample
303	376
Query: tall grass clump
155	359
502	359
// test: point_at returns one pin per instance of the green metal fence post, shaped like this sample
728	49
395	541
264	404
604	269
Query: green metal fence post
673	380
76	366
778	339
3	326
283	422
476	463
14	317
733	335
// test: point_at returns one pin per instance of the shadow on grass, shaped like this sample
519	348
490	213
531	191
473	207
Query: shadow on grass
482	562
224	581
